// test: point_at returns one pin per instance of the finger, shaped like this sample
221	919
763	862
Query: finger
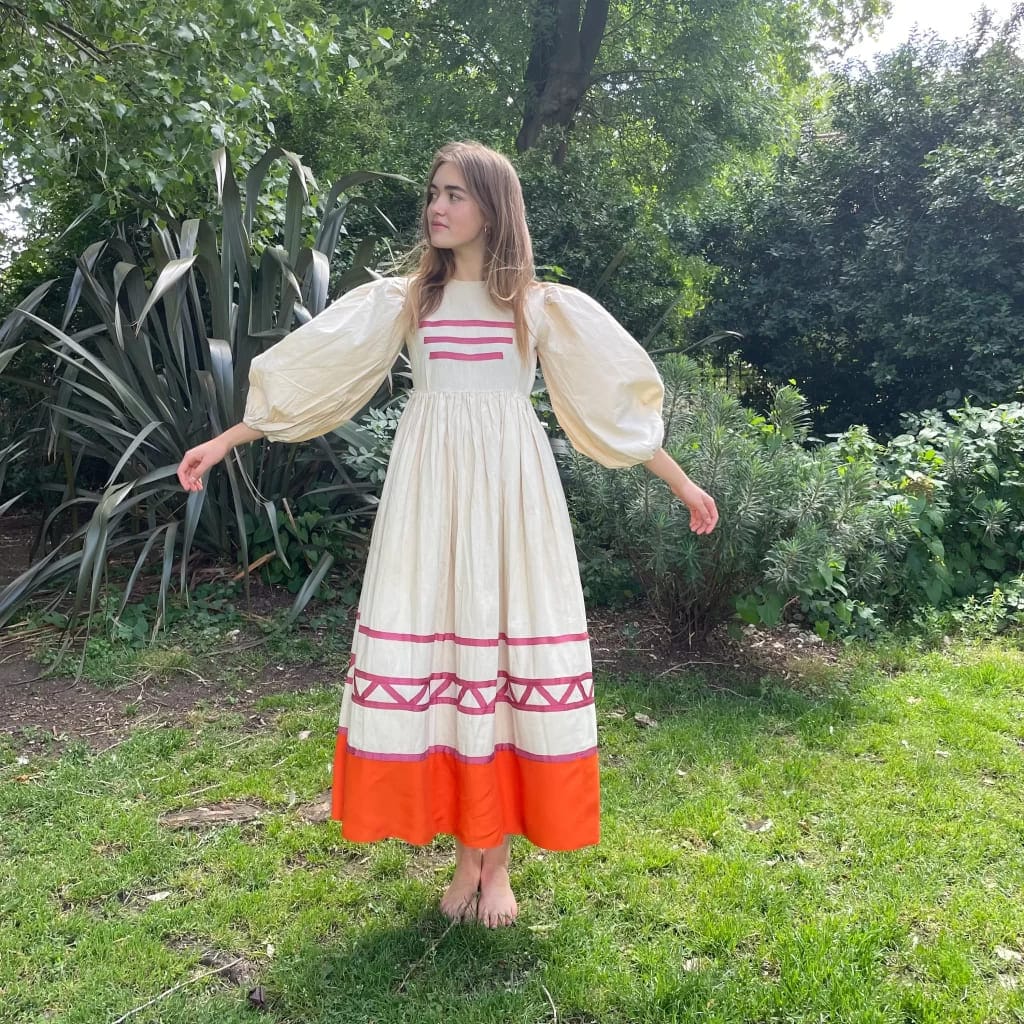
711	514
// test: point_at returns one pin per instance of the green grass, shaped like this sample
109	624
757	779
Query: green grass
888	887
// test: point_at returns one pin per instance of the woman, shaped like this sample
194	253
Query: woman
468	704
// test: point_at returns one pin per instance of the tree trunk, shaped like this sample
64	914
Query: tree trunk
562	56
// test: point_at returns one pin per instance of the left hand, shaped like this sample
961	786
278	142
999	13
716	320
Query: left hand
703	511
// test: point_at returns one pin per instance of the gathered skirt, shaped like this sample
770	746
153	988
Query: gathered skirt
468	705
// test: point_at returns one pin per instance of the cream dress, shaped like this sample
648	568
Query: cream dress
468	706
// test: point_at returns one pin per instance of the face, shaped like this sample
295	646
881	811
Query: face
454	217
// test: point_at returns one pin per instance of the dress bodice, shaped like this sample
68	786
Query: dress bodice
469	344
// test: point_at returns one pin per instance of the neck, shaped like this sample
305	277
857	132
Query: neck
469	262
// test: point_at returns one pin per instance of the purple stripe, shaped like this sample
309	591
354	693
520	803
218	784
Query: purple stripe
467	758
470	684
467	323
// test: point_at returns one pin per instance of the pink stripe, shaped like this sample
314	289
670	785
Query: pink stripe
467	758
474	684
512	641
451	339
467	356
483	706
487	709
467	323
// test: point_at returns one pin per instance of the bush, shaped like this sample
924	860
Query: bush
803	530
958	477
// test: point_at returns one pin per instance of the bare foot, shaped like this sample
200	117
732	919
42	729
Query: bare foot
497	905
459	899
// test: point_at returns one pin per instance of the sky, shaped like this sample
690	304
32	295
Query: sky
950	19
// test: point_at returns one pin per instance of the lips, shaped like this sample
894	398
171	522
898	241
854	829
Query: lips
435	224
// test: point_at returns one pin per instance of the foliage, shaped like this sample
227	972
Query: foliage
672	87
959	478
148	372
289	548
878	264
798	528
129	97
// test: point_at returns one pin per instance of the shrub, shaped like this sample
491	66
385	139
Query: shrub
958	477
801	529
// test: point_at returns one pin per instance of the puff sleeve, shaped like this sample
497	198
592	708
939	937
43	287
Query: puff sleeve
605	390
320	375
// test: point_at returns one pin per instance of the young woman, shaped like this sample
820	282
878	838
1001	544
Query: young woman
468	705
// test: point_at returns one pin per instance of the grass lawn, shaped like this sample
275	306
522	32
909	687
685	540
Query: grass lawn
843	848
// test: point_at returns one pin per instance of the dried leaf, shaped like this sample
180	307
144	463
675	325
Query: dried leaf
156	897
758	824
257	998
305	734
645	720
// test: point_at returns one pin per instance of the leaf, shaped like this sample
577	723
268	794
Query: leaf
645	720
310	587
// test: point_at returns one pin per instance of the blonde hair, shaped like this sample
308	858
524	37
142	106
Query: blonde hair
508	253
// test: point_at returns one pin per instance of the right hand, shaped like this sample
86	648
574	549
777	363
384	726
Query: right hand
198	461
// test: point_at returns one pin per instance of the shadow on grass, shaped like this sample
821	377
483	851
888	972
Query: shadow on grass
420	969
735	710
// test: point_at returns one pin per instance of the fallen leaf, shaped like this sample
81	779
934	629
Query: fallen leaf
942	753
758	824
305	734
257	998
156	897
645	720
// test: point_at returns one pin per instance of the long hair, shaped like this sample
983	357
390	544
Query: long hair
508	254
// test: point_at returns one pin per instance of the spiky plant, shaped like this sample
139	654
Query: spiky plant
146	371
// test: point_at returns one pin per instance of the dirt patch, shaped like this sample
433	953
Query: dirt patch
43	714
631	641
228	812
47	713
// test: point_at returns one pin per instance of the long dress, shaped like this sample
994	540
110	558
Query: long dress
468	705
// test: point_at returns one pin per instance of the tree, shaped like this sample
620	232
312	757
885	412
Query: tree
126	100
879	264
672	86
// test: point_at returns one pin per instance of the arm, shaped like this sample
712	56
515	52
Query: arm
703	511
199	460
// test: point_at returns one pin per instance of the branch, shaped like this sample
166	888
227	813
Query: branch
62	27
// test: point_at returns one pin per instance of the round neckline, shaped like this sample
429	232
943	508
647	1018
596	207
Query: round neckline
458	280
